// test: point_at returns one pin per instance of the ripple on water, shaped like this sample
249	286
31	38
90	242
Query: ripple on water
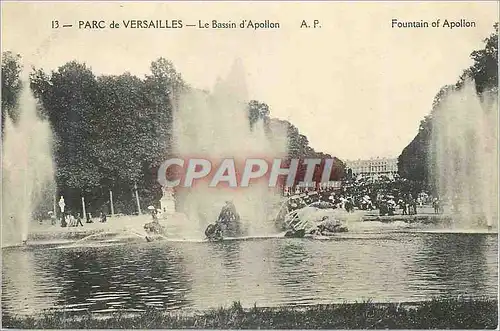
110	296
102	298
154	303
162	280
117	302
106	311
111	293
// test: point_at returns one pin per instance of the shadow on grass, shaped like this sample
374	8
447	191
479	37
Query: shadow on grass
434	314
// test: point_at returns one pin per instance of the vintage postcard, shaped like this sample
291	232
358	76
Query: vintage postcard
249	165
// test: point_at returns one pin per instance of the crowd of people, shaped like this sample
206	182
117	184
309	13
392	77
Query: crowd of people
385	194
70	219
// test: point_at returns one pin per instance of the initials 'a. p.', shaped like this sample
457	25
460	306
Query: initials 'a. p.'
91	24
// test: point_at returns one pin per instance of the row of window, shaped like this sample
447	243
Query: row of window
374	169
375	172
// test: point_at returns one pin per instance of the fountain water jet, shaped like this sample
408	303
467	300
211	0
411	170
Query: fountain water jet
27	168
215	125
464	155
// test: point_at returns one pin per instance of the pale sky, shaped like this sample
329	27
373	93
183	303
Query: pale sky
356	87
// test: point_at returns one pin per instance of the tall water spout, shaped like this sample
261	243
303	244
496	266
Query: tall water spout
464	150
215	125
27	168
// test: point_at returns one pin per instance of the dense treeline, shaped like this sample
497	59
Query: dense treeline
112	132
415	163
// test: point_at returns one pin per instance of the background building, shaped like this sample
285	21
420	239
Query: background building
373	167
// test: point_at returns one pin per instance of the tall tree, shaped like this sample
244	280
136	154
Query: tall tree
11	84
484	71
163	89
258	111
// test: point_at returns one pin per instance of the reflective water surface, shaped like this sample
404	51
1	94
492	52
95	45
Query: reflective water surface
266	272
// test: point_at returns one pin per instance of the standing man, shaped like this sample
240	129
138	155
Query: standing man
435	204
414	205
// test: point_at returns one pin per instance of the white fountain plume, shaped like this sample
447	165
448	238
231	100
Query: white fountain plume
215	125
464	149
27	168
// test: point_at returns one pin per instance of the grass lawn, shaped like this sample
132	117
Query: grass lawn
434	314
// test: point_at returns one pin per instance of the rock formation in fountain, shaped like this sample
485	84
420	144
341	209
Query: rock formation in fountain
214	125
27	168
464	155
